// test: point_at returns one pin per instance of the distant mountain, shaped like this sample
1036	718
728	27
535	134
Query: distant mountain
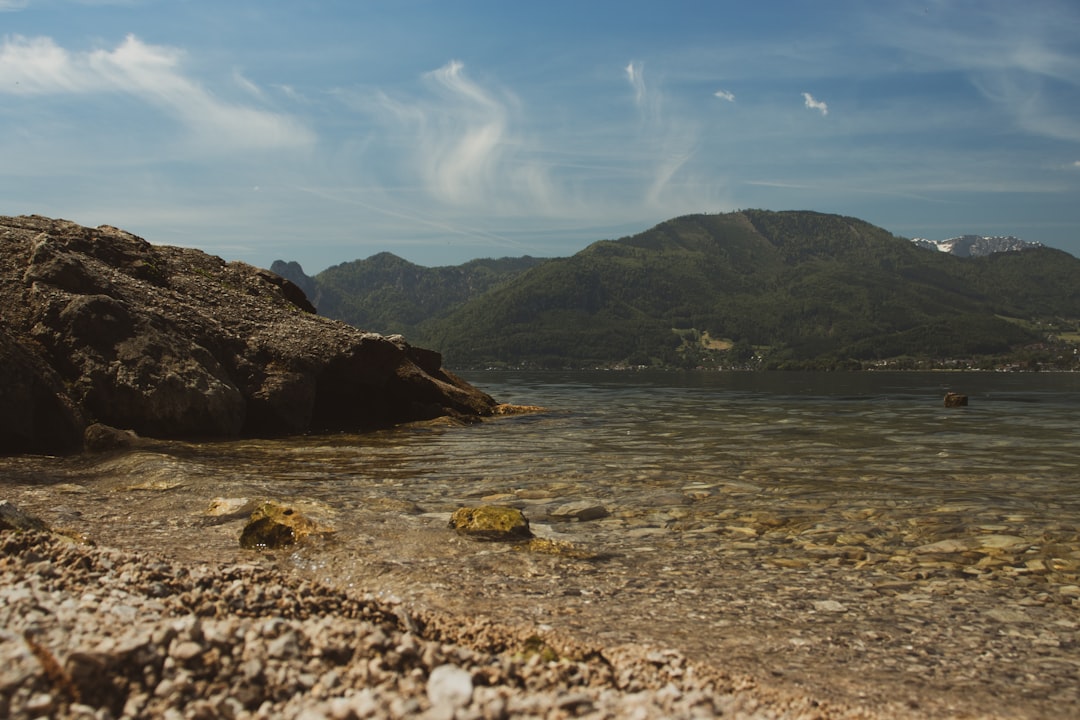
385	293
977	245
747	289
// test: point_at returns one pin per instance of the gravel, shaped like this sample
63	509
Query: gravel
100	633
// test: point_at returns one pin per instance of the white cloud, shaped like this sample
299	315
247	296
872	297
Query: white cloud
466	145
38	66
247	85
725	95
635	76
813	104
12	5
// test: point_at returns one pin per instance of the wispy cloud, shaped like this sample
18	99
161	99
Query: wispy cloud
1018	60
12	5
813	104
466	144
725	95
666	146
636	77
38	66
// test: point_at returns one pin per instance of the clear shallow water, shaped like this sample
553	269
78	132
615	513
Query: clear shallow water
779	522
641	442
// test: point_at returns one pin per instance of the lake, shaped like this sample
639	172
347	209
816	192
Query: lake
844	533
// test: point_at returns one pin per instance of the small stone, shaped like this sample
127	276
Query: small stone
491	522
284	647
230	507
952	545
40	704
582	510
449	686
1001	542
186	650
829	606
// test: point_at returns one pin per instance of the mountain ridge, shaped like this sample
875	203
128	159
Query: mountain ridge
977	245
754	288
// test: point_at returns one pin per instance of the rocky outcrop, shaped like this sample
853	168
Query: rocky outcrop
98	325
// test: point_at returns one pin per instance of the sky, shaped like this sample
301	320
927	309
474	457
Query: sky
329	130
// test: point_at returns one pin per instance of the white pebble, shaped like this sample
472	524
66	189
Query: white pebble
449	687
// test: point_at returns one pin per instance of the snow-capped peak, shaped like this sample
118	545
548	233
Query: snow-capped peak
977	245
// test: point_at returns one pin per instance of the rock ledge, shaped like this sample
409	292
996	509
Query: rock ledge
98	325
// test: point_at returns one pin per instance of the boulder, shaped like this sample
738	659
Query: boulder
953	399
274	526
491	522
100	326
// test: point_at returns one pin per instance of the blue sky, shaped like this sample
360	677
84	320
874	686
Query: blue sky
324	131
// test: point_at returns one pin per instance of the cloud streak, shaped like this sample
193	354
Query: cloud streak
813	104
35	67
636	77
467	146
724	95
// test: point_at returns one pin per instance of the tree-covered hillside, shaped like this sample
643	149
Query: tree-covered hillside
747	289
387	294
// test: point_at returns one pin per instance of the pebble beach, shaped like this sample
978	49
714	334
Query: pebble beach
99	633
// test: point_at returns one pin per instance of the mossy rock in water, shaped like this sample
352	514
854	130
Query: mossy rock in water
275	526
491	522
12	518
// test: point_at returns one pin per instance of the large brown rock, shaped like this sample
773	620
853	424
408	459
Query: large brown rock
102	326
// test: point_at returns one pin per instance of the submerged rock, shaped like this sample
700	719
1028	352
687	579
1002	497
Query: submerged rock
274	526
230	507
953	399
491	522
102	438
98	325
582	510
12	518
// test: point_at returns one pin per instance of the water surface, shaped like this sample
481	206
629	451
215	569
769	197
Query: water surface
778	523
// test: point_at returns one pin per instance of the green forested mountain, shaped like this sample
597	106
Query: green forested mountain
387	294
752	288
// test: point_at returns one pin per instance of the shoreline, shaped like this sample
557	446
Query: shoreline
96	632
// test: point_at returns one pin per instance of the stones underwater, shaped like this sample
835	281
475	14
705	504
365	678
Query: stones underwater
491	522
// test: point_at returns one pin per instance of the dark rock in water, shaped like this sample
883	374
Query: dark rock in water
12	518
275	526
491	522
102	438
98	325
955	400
